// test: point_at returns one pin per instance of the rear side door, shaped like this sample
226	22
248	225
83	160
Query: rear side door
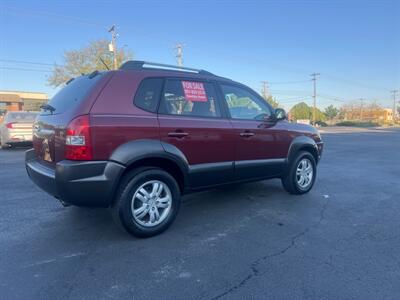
259	143
191	118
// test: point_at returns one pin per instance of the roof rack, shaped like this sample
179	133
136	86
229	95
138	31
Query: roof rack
140	65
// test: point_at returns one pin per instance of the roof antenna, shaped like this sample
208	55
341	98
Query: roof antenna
104	63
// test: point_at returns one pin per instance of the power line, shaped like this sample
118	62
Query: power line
293	98
26	62
352	82
293	101
334	98
57	17
290	91
24	69
289	82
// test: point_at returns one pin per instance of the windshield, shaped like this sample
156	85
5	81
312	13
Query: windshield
72	93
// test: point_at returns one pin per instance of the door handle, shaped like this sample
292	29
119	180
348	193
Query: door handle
247	134
178	134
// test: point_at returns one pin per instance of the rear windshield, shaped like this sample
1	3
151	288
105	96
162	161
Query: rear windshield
73	93
21	116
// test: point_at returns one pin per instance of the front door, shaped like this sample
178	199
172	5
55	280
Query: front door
191	118
259	152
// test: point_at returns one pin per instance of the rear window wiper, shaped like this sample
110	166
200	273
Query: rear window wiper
69	81
94	74
48	107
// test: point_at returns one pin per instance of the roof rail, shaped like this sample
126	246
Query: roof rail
140	65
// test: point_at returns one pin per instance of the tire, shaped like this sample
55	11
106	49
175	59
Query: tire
292	182
4	146
130	197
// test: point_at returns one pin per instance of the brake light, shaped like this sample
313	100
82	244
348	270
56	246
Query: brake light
10	125
78	145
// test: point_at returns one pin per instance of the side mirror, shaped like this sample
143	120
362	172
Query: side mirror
280	114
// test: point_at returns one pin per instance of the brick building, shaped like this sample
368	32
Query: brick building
17	100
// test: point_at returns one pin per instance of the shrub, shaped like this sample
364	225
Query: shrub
358	124
321	123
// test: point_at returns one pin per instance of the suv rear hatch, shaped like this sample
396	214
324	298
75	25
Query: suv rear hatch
73	100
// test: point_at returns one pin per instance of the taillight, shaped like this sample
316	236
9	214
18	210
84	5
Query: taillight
78	145
10	125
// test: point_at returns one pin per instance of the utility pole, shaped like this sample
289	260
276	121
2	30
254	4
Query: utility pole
361	108
265	89
179	54
113	45
394	92
314	78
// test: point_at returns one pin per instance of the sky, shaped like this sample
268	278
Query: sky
354	45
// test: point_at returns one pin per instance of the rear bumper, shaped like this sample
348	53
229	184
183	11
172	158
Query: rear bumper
88	183
17	136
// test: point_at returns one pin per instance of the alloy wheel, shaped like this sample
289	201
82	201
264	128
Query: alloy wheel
151	203
304	173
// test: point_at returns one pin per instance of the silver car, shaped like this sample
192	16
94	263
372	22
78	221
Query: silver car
16	128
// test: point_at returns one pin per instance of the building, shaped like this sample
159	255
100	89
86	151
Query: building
381	115
387	114
17	100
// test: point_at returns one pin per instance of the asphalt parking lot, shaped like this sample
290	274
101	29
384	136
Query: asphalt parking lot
253	241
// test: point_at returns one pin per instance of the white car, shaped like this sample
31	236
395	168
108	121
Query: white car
17	128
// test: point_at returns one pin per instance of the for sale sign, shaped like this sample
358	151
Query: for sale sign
194	91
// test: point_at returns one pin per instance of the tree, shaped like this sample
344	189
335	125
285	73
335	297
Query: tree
331	112
86	60
303	111
300	111
320	116
272	101
362	111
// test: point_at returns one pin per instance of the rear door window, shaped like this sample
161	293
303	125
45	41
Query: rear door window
190	98
148	94
73	93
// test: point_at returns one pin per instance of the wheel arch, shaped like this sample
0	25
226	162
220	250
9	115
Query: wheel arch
302	143
153	153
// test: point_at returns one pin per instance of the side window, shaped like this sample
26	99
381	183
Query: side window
190	98
243	104
148	94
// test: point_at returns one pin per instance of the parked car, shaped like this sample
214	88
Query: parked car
137	138
16	128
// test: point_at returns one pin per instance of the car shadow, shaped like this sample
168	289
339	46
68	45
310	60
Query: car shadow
19	148
196	209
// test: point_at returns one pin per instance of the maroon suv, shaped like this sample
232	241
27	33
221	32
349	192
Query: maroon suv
138	138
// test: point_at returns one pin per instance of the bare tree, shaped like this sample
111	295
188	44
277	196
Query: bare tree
95	56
